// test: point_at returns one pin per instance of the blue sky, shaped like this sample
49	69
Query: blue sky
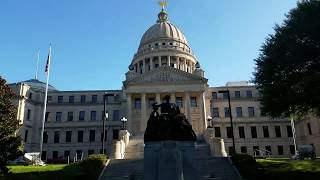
93	41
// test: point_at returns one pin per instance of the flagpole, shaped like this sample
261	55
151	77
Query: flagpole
45	100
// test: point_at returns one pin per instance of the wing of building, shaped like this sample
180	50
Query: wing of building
164	64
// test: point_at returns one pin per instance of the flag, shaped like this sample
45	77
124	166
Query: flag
48	61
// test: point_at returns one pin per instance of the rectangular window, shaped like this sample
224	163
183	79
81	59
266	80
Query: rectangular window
253	132
278	131
58	116
49	98
30	95
60	99
79	154
115	134
237	94
26	136
217	132
225	95
68	136
80	136
289	131
231	150
156	65
137	103
256	150
215	112
243	149
241	132
229	132
292	150
94	98
179	102
44	155
56	138
116	115
81	115
309	129
66	154
239	111
249	93
214	95
45	137
71	99
117	98
226	112
55	154
70	116
28	114
251	111
265	131
47	116
268	148
93	115
151	102
83	98
92	135
280	150
193	101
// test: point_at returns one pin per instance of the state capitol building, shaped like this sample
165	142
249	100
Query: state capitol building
164	65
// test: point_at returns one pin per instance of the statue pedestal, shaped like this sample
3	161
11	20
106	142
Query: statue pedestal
170	160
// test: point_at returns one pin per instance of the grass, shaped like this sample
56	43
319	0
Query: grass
25	169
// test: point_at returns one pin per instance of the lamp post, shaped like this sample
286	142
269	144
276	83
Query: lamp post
123	120
230	115
209	118
103	121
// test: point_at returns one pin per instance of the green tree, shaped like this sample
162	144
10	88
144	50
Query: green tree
288	68
10	143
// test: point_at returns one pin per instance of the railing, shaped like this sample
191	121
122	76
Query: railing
261	153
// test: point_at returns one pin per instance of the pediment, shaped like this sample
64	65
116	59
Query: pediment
166	75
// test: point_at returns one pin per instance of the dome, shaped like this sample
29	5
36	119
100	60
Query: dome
163	30
39	85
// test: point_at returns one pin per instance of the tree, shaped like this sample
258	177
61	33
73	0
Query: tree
288	68
10	143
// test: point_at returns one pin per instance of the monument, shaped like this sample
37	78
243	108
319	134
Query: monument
169	151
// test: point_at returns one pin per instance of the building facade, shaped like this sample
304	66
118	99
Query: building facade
163	65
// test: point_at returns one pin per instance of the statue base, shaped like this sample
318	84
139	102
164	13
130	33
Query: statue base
170	160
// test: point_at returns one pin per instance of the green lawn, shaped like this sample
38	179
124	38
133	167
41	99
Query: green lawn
26	169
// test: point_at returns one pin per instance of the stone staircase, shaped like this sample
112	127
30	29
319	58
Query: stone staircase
131	168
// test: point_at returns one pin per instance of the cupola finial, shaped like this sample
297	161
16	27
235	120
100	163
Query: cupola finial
162	16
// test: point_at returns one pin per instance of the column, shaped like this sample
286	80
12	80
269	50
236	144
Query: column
151	63
185	64
203	117
168	60
129	113
158	99
143	65
173	98
187	106
144	120
159	59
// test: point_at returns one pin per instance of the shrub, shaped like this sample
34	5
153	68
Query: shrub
246	165
93	165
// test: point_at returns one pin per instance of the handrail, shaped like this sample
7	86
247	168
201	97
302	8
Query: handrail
263	152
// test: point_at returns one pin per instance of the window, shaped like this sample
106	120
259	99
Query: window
241	132
26	135
137	103
214	95
116	115
256	150
92	136
55	154
66	154
79	154
215	112
243	149
239	111
179	102
309	129
253	132
56	138
217	132
90	151
71	99
30	95
231	150
292	149
229	132
289	131
68	136
47	116
58	116
156	65
80	136
94	98
163	44
93	115
28	114
249	93
116	98
83	98
70	116
60	99
225	95
251	111
81	115
268	148
265	131
44	155
278	131
237	94
193	101
115	134
280	150
226	112
49	98
45	137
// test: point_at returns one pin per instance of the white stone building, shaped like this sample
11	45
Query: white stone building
163	65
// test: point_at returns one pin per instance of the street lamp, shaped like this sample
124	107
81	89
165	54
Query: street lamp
230	115
209	118
103	121
123	120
